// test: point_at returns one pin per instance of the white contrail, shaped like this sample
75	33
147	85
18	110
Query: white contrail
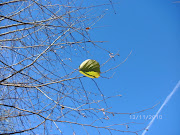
165	102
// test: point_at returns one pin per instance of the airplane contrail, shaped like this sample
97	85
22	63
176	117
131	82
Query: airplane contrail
165	102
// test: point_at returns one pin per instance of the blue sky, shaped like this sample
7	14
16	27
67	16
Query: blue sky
151	29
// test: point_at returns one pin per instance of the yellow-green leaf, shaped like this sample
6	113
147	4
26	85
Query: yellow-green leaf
90	68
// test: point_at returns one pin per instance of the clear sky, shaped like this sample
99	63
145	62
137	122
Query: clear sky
151	29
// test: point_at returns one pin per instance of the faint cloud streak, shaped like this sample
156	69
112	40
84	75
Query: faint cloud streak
165	102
